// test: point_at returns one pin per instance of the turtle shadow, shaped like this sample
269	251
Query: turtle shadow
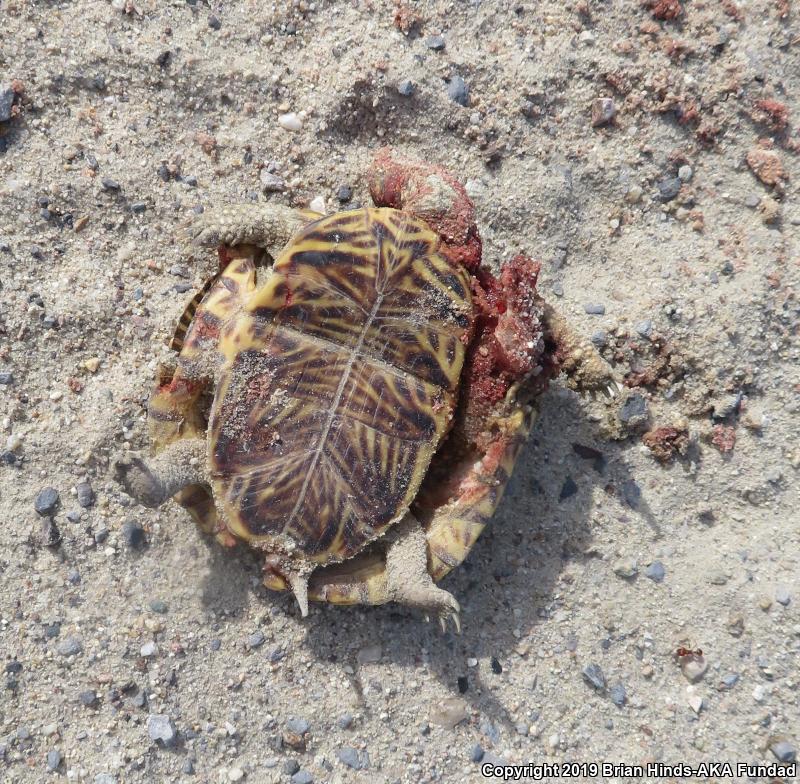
510	582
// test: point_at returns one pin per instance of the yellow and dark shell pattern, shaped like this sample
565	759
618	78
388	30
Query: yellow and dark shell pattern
339	381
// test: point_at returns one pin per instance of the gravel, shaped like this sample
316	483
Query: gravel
256	639
53	759
618	694
161	730
782	595
349	756
69	646
7	95
85	494
133	533
435	42
297	726
655	572
476	753
406	88
594	309
302	777
6	378
345	721
633	409
784	751
594	676
669	188
458	90
46	501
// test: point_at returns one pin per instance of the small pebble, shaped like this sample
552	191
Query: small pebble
53	759
634	194
188	766
730	680
133	534
344	193
46	501
594	309
449	712
435	42
668	188
458	90
88	698
593	675
290	767
693	668
782	595
655	572
161	729
603	111
568	489
784	751
290	122
149	649
317	204
344	721
69	646
600	338
302	777
369	655
158	606
618	694
214	22
6	378
85	494
476	753
270	182
406	88
6	102
235	774
109	184
256	639
644	328
634	408
696	702
349	756
297	726
685	173
626	568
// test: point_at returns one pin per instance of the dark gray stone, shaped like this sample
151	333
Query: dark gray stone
7	95
655	572
344	193
256	639
635	407
406	88
109	184
85	494
46	501
158	606
435	42
161	729
458	90
133	534
297	726
214	22
53	759
349	756
593	675
600	338
476	753
784	751
668	188
618	694
69	646
88	698
568	489
6	377
290	767
644	328
344	721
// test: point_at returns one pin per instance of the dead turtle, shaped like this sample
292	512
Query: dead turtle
351	391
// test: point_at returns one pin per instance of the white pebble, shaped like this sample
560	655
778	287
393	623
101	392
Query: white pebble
290	122
318	205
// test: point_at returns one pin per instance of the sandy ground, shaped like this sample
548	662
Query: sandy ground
677	218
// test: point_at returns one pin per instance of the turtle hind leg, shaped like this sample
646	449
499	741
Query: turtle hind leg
177	466
407	577
585	369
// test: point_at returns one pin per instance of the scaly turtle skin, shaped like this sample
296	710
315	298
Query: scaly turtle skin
355	409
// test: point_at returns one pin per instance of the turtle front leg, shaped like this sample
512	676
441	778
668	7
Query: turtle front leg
267	226
151	483
407	578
